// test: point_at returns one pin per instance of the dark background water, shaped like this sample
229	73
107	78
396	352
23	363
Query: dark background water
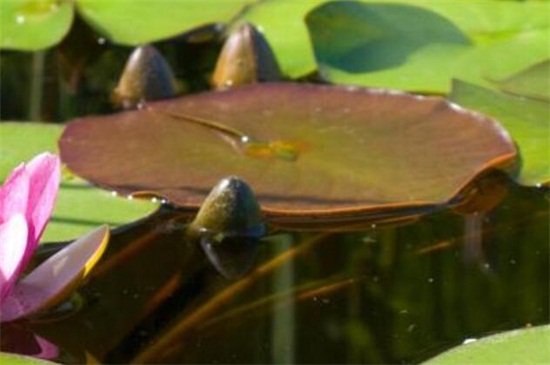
386	294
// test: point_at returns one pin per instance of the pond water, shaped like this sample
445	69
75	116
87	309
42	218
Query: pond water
394	293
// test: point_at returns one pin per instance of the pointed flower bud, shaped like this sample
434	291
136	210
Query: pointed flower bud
229	210
147	76
229	226
245	58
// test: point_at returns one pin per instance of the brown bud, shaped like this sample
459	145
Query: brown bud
230	209
147	76
229	227
245	58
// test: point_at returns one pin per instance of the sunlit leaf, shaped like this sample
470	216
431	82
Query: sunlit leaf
37	24
138	22
79	206
523	347
34	24
417	45
525	119
307	151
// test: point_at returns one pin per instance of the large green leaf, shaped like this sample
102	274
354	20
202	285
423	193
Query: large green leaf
416	45
528	346
137	22
34	24
79	206
526	119
37	24
310	152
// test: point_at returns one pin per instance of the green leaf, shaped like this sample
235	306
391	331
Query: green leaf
282	23
137	22
35	24
527	346
79	206
16	359
414	48
525	119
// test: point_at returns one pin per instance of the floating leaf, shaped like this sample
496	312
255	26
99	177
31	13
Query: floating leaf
79	206
525	119
34	24
37	24
423	47
147	21
532	82
332	153
525	346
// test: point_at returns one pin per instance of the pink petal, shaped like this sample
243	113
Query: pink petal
29	190
13	241
44	176
53	279
48	350
14	194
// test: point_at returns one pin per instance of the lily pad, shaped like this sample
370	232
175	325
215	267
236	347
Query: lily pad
422	45
34	24
526	119
525	346
142	21
309	152
80	206
37	24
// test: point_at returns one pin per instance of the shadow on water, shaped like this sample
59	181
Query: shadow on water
386	294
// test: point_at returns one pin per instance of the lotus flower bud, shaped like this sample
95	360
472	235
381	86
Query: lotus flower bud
245	58
229	210
229	226
147	76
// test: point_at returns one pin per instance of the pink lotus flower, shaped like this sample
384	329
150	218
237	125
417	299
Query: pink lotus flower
27	199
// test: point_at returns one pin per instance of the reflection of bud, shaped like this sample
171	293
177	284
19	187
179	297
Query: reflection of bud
246	58
233	257
229	227
147	76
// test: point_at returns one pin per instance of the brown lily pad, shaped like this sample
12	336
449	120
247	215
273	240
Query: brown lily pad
309	152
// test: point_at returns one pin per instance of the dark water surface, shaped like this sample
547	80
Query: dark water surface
386	294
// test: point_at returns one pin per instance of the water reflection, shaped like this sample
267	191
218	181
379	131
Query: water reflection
387	294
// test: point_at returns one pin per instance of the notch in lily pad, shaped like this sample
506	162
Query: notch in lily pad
229	225
146	76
